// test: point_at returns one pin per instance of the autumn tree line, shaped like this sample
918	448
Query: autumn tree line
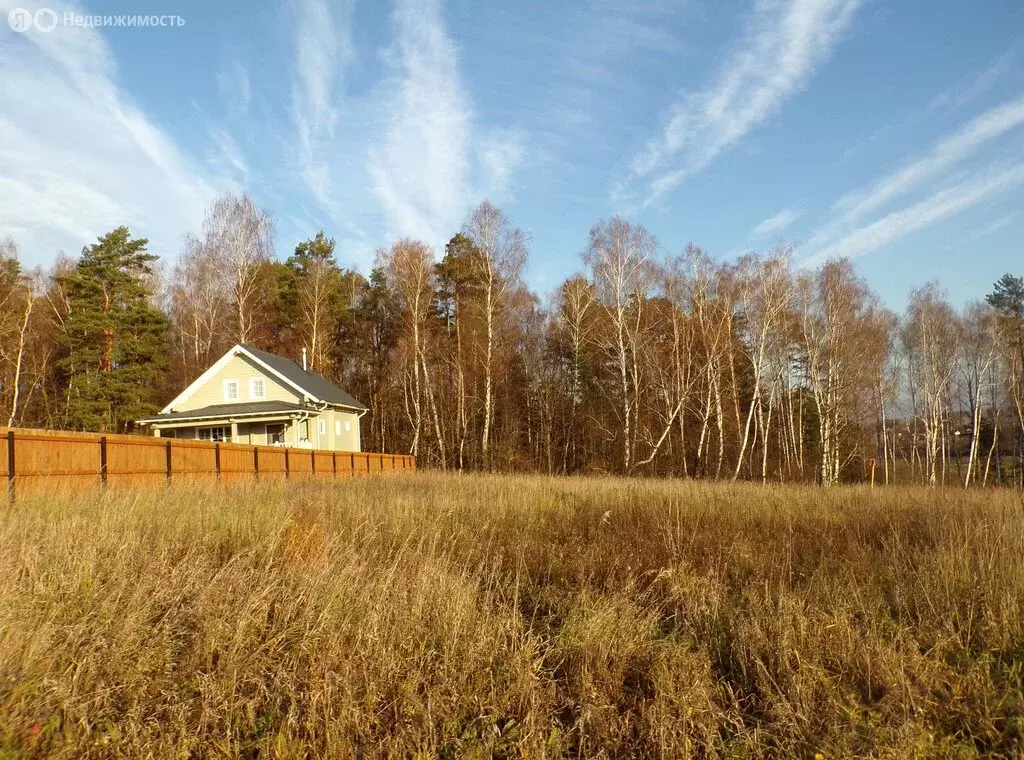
647	362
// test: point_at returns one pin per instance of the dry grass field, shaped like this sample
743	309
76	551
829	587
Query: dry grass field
446	616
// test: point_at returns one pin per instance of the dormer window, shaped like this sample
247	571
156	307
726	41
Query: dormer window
231	390
257	388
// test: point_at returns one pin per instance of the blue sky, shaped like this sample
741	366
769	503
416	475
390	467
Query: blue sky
890	132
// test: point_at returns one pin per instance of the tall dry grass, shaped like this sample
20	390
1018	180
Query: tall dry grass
445	616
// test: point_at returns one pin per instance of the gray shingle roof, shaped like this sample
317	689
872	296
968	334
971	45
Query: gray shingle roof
229	410
311	382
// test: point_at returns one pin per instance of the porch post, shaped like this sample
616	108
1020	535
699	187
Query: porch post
234	431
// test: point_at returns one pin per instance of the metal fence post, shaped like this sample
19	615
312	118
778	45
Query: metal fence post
10	465
103	460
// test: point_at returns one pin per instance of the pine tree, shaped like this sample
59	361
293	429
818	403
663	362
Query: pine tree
365	343
316	297
114	346
1007	298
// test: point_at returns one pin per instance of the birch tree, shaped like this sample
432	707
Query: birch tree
711	313
200	305
498	256
575	309
456	292
410	267
931	337
765	297
240	235
17	301
318	296
979	352
835	308
620	257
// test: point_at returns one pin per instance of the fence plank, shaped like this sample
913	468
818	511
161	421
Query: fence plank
300	463
324	461
361	463
236	463
55	463
136	462
193	462
272	465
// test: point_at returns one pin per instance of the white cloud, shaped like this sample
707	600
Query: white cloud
994	226
500	153
784	44
981	84
945	154
430	164
235	88
228	156
600	36
773	225
324	52
940	206
77	157
421	168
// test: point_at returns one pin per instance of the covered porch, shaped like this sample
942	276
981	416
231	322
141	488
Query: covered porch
269	423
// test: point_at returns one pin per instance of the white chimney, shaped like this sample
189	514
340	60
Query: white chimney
303	358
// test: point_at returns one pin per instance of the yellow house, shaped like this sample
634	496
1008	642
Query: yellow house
251	396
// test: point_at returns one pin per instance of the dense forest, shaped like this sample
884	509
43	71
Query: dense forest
648	362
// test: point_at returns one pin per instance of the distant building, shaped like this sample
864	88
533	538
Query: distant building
251	396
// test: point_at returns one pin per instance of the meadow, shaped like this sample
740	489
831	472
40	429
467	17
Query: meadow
438	615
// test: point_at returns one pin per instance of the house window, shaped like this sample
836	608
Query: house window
275	434
257	388
348	426
321	426
219	434
231	390
337	427
304	430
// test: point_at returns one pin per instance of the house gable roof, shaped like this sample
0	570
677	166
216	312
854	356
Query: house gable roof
306	383
310	382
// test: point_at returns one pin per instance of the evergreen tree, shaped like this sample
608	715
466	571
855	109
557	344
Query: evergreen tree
276	329
314	294
309	254
366	339
1007	296
114	347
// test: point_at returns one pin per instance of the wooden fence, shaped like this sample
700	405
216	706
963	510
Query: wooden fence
35	461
